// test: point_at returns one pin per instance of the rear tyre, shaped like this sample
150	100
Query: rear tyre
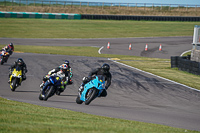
90	95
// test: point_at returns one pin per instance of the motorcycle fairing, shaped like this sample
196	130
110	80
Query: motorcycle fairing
98	82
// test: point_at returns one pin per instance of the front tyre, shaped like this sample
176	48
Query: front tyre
40	96
13	84
2	60
90	95
78	101
48	93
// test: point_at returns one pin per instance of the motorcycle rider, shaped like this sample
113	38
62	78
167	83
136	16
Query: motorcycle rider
9	48
103	70
19	63
63	74
55	70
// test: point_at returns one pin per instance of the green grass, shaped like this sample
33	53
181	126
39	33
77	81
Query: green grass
55	28
22	117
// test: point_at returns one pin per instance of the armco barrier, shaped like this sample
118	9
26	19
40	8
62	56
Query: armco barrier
129	17
185	64
39	15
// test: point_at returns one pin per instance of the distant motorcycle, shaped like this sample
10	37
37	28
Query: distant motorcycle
15	78
92	89
52	86
4	57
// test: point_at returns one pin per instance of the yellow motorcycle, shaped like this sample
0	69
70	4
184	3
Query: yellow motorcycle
15	78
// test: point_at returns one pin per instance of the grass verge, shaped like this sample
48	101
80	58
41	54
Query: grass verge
55	28
22	117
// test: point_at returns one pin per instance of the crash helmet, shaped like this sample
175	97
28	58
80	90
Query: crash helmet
63	68
20	61
105	67
66	62
11	44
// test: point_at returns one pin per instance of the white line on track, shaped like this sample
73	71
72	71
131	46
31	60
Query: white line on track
185	52
99	51
155	75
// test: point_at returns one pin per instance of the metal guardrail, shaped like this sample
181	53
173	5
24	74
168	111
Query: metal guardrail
102	5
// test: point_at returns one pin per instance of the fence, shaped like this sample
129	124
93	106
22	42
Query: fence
102	5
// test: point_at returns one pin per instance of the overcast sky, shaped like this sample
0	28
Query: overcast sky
189	2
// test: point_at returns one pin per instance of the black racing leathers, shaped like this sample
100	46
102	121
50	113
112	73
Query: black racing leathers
100	71
23	68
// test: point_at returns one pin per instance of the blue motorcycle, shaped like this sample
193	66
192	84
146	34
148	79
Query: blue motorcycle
91	90
51	86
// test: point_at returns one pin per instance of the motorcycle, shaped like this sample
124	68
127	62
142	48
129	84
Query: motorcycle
15	78
4	57
92	89
51	87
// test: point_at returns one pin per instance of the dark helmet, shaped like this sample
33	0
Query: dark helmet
105	67
66	62
20	61
11	44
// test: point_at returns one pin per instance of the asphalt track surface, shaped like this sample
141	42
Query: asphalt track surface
133	95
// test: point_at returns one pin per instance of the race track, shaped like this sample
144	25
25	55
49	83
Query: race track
133	95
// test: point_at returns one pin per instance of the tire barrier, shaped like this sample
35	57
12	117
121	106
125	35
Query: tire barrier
90	16
39	15
148	18
185	64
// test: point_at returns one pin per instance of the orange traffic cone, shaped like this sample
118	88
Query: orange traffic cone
129	46
108	46
160	48
146	47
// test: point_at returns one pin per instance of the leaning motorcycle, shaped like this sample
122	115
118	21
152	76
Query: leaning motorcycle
91	90
15	78
51	86
4	57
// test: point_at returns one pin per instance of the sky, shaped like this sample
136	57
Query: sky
189	2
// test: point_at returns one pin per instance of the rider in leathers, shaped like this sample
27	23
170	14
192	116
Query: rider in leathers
63	74
19	63
69	71
9	48
104	70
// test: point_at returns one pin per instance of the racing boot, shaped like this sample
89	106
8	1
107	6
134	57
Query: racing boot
41	85
60	90
70	82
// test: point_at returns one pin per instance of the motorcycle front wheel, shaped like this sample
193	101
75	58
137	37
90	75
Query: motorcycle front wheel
48	93
90	95
2	60
78	101
13	84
